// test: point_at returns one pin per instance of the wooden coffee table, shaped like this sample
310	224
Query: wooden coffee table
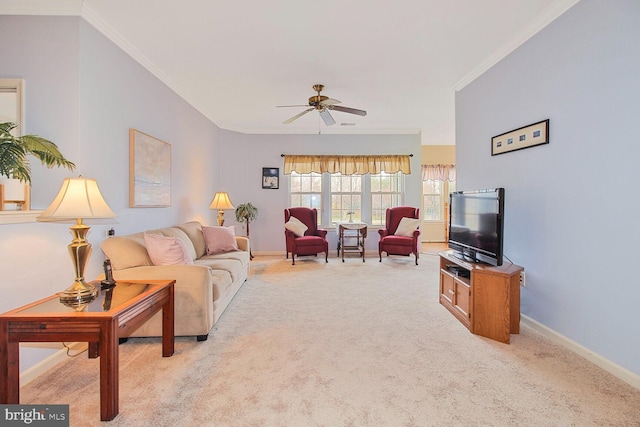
114	314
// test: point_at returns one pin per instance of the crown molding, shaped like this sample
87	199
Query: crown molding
119	40
544	19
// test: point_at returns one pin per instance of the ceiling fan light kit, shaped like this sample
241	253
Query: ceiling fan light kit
323	104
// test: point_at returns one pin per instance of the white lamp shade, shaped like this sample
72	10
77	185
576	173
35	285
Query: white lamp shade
77	198
221	201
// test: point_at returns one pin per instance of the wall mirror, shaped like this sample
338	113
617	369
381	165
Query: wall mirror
11	102
12	110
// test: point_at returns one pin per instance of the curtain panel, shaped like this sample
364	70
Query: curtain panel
347	165
438	172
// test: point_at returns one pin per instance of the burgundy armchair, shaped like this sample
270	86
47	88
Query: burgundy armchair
399	245
314	240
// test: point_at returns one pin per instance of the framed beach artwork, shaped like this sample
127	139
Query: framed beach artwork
149	171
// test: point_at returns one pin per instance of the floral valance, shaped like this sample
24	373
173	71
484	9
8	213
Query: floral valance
347	165
438	172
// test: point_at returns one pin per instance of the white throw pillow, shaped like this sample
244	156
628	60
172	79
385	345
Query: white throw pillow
166	250
296	226
220	239
407	226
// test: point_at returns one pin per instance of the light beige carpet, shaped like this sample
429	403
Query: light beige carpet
345	344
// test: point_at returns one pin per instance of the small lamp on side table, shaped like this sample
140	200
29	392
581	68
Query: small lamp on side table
221	202
78	199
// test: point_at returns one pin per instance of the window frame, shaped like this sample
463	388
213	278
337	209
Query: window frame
446	188
398	194
325	211
353	195
310	193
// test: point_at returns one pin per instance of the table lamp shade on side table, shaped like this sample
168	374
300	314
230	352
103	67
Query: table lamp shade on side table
221	202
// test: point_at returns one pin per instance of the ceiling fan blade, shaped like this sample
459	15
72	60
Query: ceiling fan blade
297	116
285	106
329	101
348	110
326	116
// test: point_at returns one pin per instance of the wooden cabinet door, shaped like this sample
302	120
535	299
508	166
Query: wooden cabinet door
462	300
447	291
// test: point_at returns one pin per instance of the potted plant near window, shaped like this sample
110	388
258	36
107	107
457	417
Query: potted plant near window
14	164
246	213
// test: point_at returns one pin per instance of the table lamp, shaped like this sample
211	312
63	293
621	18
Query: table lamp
78	199
221	201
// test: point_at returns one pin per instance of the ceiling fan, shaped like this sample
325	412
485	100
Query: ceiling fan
323	104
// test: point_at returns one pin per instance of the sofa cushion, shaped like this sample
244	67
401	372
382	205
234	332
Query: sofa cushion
177	233
193	229
233	266
126	251
221	281
242	256
165	250
219	239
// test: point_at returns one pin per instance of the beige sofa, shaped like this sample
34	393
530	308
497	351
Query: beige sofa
203	290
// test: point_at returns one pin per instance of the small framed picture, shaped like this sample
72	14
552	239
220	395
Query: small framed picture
271	178
524	137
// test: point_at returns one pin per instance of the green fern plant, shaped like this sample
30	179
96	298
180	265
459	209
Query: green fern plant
14	150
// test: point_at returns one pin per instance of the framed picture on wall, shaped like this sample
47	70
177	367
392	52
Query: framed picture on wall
149	171
271	178
524	137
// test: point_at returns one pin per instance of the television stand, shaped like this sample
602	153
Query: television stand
484	298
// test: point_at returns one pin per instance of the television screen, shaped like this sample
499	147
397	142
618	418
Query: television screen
476	225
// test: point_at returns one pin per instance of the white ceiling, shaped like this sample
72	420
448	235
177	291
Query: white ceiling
236	60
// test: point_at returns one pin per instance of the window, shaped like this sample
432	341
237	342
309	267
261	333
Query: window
346	197
335	195
386	192
435	194
432	200
306	190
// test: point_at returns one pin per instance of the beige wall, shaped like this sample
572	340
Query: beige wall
438	155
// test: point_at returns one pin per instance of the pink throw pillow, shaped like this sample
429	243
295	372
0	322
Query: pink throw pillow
219	239
166	250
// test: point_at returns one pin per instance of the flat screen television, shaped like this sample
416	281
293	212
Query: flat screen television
476	220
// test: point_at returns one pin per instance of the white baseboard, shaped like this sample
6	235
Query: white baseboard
270	253
614	369
41	367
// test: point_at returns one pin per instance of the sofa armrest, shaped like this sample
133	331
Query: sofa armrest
195	279
193	288
243	243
